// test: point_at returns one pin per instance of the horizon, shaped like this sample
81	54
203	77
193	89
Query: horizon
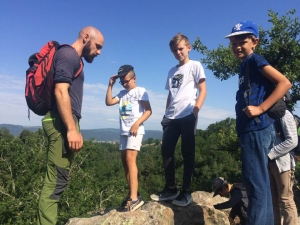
105	128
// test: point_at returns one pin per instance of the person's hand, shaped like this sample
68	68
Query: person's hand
231	221
75	140
134	129
112	80
253	111
195	111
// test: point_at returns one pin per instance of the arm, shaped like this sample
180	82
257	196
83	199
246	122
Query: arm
291	139
223	205
201	97
236	196
109	100
168	100
147	113
64	108
282	86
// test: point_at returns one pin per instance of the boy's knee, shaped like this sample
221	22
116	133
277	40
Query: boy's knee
130	160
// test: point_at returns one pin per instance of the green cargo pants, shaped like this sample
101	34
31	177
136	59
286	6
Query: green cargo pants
59	159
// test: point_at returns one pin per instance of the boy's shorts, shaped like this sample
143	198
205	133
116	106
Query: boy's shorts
131	142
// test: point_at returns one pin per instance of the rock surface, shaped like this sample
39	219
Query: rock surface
201	211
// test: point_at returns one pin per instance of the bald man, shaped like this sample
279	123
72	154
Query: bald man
61	123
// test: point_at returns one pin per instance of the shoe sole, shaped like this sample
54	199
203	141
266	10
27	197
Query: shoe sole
180	204
157	199
138	206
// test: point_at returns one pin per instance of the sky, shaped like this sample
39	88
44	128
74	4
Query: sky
136	32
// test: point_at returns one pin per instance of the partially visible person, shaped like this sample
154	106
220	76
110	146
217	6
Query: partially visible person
134	109
281	170
186	83
238	200
253	124
61	123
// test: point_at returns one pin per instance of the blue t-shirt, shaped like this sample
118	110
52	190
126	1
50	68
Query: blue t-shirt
261	88
66	64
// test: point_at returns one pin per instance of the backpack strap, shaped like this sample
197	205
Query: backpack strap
81	64
248	86
278	129
80	68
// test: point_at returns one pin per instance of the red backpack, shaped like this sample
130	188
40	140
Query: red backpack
39	79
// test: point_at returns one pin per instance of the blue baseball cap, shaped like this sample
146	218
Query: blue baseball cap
245	27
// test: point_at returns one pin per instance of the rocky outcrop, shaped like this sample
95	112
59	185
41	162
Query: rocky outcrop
201	211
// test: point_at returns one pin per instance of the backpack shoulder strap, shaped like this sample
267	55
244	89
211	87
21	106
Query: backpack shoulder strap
79	69
81	64
278	129
248	85
247	73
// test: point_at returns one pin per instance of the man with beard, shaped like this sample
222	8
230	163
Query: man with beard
61	123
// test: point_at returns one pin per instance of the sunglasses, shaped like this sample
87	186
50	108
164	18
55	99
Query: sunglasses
126	81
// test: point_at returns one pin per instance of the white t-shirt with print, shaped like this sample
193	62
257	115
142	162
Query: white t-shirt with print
182	83
131	108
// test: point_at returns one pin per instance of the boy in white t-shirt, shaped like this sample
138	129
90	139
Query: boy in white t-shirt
180	119
134	108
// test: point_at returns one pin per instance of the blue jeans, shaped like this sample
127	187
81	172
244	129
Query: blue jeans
255	147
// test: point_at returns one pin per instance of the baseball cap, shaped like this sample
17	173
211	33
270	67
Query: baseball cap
217	184
245	27
124	70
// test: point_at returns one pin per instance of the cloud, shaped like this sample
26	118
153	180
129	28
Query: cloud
11	82
94	111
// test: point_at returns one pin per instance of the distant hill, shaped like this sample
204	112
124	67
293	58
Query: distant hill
17	129
105	134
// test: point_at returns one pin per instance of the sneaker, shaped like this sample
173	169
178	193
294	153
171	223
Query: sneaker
132	205
183	199
124	202
166	194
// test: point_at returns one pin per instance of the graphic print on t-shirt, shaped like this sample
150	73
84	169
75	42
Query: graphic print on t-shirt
126	113
125	109
177	80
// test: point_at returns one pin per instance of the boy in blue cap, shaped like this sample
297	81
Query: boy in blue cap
253	124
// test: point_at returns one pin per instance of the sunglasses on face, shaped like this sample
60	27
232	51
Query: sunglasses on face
125	81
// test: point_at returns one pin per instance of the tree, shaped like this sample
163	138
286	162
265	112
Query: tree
97	176
150	140
280	46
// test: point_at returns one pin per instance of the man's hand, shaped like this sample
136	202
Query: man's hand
75	140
